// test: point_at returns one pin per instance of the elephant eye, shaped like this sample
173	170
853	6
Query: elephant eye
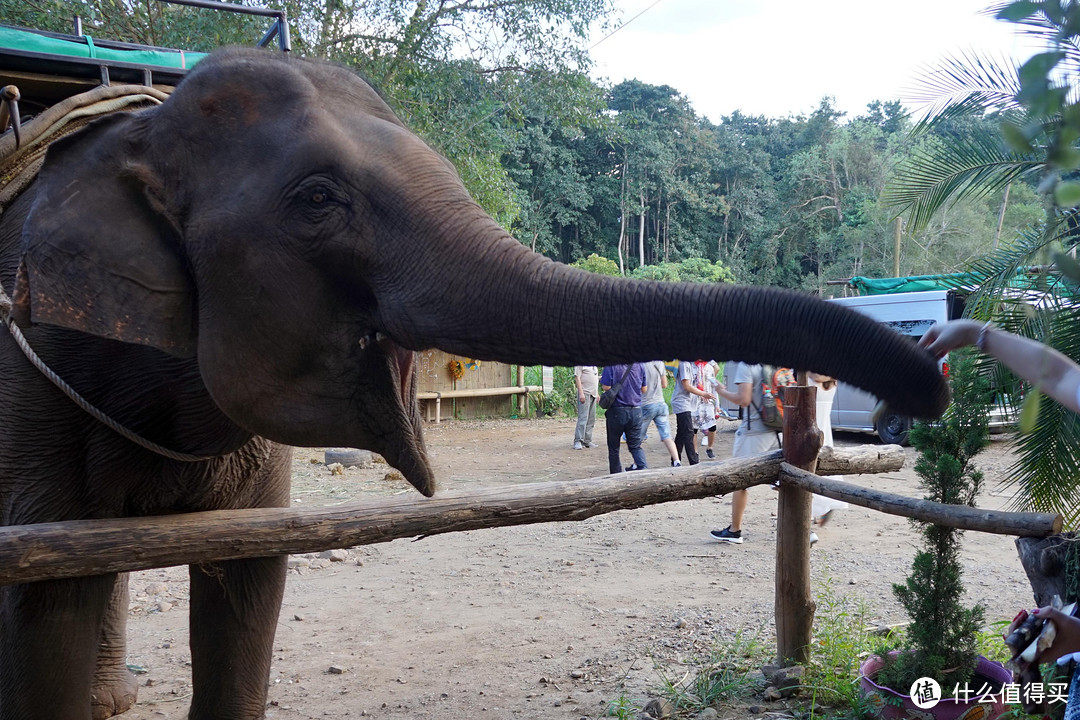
319	191
318	195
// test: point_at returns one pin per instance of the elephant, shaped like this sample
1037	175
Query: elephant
252	266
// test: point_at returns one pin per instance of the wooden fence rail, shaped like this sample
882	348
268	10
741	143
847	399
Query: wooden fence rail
92	547
1020	524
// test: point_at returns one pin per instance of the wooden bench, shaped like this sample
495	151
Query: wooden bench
471	392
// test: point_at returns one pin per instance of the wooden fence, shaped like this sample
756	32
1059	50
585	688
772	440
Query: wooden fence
92	547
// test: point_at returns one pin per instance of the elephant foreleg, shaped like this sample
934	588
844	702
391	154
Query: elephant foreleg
234	610
115	688
49	637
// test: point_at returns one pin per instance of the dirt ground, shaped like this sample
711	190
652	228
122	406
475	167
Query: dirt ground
546	622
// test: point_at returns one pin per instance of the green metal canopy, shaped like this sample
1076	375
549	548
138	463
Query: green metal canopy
84	47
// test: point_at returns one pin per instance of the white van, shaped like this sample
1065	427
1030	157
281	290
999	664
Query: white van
910	314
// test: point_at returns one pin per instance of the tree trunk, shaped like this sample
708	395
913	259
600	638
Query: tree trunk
1045	561
897	236
667	231
957	516
622	211
641	228
1001	214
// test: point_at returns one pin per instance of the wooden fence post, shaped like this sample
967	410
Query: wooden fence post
794	605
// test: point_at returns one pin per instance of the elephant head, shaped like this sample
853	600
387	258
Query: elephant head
274	221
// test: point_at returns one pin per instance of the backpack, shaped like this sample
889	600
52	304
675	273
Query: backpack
772	405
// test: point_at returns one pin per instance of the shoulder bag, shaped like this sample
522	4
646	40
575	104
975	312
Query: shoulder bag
608	398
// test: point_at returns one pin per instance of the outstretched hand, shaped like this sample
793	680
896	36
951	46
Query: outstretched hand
1067	639
945	337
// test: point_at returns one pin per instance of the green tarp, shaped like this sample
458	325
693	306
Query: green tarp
85	47
888	286
1025	279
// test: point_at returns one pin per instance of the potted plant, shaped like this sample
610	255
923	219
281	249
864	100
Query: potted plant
942	636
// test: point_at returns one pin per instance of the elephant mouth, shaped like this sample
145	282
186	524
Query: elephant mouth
401	359
404	361
402	443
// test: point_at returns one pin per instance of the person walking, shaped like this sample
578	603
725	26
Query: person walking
684	402
654	408
752	438
714	379
586	379
821	507
624	416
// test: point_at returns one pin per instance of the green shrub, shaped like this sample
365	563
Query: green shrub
561	401
597	264
841	641
943	635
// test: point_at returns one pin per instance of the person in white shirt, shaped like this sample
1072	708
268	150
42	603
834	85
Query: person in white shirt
587	382
683	403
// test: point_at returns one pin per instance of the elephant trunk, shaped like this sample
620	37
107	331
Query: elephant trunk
486	295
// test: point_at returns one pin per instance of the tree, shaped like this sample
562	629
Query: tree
451	69
651	120
546	157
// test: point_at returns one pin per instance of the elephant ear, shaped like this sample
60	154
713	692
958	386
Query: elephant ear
99	255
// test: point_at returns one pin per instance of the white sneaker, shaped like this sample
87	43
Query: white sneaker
813	537
577	446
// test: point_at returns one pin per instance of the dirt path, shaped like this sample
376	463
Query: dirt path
545	621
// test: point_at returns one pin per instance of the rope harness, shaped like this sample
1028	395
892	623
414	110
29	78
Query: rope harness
22	153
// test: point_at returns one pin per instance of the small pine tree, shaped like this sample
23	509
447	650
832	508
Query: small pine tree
942	634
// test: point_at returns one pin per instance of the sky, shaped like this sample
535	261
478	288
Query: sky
780	57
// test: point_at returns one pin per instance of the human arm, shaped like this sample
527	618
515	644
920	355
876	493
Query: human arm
742	395
1046	368
689	387
607	379
577	384
1066	640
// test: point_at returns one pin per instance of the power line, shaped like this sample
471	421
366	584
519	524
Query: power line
625	24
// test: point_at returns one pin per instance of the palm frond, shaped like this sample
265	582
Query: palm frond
1047	465
1019	289
970	82
936	174
1022	294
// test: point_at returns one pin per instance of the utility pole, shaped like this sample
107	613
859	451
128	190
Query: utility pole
896	246
1001	215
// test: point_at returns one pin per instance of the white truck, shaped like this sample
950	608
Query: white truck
910	314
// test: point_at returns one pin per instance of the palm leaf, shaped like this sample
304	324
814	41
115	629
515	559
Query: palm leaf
1039	303
965	85
1036	303
1043	32
936	174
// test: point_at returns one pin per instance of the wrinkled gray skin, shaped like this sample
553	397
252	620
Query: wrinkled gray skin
204	272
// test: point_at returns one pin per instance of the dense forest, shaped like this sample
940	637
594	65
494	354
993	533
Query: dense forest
619	178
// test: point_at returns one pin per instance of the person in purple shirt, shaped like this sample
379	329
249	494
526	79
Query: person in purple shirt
625	415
